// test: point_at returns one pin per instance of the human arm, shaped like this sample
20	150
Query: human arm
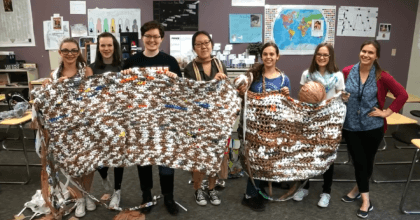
88	72
285	90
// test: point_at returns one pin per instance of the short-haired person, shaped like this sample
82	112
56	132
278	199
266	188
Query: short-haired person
204	67
365	122
324	70
108	59
73	66
266	77
152	36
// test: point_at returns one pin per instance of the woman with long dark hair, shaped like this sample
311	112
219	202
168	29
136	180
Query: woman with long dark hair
324	70
365	122
108	59
266	77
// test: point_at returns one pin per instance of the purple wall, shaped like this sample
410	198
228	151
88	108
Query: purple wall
214	17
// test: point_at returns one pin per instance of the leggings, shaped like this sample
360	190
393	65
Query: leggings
118	175
328	180
198	179
363	146
166	176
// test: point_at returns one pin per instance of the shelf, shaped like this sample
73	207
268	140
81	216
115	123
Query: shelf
14	87
16	70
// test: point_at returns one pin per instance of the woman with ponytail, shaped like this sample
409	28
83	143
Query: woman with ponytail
365	122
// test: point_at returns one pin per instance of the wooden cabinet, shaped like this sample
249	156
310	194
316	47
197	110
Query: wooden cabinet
16	80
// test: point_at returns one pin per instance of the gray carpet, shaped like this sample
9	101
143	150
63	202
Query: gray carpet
385	196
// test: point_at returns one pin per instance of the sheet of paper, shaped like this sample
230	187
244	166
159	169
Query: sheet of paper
248	2
16	24
245	28
92	52
181	47
78	7
384	31
78	30
357	21
52	38
114	20
290	27
54	59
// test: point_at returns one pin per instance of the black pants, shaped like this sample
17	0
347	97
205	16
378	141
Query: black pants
363	146
118	175
166	176
328	180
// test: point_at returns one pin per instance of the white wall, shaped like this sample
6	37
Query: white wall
413	81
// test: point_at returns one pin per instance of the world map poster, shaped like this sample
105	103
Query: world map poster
298	29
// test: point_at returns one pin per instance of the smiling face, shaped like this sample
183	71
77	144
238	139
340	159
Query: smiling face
203	46
322	57
368	55
270	56
152	40
106	47
68	52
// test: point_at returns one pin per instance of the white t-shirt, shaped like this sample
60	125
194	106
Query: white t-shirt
336	79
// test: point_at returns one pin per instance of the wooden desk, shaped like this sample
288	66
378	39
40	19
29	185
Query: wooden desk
398	119
411	98
416	142
16	121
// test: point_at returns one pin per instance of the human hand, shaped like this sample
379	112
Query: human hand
61	79
220	76
45	82
345	96
285	91
127	71
241	84
377	113
170	74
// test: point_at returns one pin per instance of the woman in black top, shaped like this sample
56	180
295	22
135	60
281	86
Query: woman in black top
108	59
204	67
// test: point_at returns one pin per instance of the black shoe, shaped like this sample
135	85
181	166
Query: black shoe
363	214
171	206
348	199
254	203
147	197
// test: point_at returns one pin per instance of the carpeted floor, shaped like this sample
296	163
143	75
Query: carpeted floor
385	196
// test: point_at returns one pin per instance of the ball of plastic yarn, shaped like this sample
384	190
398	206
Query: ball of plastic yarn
312	92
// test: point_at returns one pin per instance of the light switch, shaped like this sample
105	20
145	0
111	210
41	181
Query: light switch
393	52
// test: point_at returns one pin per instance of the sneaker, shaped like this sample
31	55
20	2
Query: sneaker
253	203
325	200
147	197
90	204
106	184
300	195
115	199
80	208
214	197
363	214
348	199
200	198
171	206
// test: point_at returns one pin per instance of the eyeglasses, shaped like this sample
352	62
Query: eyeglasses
154	36
206	44
65	51
322	55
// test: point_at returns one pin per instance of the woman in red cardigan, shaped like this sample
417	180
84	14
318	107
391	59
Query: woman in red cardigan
365	122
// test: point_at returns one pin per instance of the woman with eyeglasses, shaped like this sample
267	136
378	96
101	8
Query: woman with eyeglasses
324	70
73	66
204	68
108	59
365	122
152	36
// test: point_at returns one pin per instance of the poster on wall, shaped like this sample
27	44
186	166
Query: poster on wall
248	2
357	21
175	16
16	25
245	28
181	47
115	21
293	29
384	32
53	38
